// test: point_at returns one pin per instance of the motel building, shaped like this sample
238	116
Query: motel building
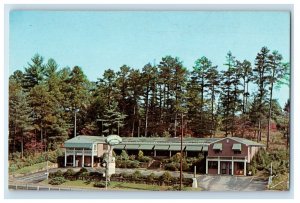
224	156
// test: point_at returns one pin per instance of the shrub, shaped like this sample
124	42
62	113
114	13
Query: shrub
13	167
137	175
132	157
166	177
58	173
140	155
172	166
83	170
126	175
57	181
145	159
101	184
176	158
134	164
83	175
70	174
151	177
124	155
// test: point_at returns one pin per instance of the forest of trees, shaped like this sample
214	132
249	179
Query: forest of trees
147	101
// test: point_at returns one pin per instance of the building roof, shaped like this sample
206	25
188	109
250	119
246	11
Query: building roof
84	141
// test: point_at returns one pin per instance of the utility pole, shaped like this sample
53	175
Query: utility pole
75	123
181	151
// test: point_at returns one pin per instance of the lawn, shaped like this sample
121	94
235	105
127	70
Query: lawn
33	168
119	186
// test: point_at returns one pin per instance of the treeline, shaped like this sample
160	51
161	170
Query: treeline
161	99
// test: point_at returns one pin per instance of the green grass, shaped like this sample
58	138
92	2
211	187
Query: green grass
33	168
119	186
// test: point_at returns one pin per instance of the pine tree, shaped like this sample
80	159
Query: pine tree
113	119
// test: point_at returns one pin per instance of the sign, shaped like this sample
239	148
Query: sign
113	140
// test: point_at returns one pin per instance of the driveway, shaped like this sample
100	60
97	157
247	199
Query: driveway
231	183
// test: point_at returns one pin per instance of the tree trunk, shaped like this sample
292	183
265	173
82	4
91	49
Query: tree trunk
132	132
212	112
22	145
175	125
259	130
270	111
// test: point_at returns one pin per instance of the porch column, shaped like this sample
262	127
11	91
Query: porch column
206	166
154	153
65	157
218	165
245	165
92	155
170	153
232	167
74	158
82	164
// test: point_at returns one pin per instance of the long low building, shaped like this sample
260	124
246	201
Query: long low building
228	155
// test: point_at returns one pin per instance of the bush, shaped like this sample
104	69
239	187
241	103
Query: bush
101	184
176	158
132	157
166	177
13	167
70	174
126	175
172	166
124	155
145	159
133	164
83	175
151	177
136	175
57	181
140	155
56	174
83	170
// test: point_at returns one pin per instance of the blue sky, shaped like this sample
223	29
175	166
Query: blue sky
96	41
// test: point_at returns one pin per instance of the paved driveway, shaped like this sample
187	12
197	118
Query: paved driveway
231	183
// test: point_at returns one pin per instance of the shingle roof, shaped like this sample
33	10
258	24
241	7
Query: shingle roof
84	141
87	141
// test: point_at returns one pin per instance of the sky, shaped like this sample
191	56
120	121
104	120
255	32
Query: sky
96	41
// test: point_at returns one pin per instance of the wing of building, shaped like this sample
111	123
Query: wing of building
228	155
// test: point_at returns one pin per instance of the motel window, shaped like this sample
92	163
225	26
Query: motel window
237	152
240	165
105	147
213	164
217	151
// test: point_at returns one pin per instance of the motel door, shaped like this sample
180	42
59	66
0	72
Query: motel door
226	168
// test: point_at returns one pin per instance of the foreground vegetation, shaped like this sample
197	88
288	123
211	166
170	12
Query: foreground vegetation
32	161
114	185
279	157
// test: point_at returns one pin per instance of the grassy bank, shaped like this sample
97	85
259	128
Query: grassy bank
33	168
119	186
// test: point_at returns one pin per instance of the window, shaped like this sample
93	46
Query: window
217	151
237	152
213	164
240	165
105	147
